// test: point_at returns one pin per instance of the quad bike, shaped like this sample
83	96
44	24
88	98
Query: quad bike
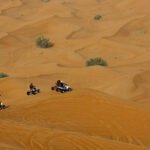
3	107
33	91
62	89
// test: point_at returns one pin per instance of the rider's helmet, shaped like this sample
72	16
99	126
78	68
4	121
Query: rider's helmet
58	82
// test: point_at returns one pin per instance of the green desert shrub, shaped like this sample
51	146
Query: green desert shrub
97	17
96	61
43	42
3	75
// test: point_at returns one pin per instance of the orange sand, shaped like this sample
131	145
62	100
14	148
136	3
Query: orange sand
109	107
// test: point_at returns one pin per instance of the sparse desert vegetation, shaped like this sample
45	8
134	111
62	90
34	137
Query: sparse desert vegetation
3	75
97	17
96	61
43	42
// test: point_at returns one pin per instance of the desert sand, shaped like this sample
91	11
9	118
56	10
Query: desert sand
109	107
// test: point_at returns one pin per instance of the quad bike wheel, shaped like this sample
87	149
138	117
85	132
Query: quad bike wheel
33	92
28	92
53	88
2	107
38	90
57	90
62	91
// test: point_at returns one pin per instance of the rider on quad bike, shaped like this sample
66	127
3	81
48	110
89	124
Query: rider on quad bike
2	106
59	83
61	87
33	89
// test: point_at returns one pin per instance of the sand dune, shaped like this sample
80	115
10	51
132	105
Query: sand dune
108	108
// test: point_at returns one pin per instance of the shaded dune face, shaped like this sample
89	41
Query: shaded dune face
137	31
108	108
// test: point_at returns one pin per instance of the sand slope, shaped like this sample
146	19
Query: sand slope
109	106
